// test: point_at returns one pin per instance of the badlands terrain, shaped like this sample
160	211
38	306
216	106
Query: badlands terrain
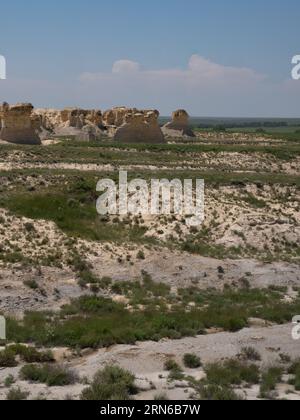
146	306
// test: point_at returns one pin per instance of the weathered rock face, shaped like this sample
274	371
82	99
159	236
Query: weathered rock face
89	133
49	118
80	123
139	127
116	116
179	125
78	118
69	117
18	124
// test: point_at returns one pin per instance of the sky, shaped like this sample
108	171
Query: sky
214	58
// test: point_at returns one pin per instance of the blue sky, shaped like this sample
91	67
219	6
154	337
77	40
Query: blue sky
218	58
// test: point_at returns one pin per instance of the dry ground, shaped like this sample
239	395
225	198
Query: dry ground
251	235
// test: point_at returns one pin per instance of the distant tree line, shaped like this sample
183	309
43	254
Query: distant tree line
249	124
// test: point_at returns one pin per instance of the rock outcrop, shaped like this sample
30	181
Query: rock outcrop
70	122
69	117
78	118
138	127
115	117
18	125
179	126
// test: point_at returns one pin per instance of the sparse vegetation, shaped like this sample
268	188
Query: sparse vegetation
270	379
232	372
295	370
93	321
16	394
51	375
7	359
111	383
213	392
32	284
192	361
250	353
9	381
161	397
252	198
171	364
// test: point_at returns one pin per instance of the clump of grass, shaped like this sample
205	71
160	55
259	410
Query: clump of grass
16	394
255	202
176	375
295	370
232	372
30	354
192	361
270	379
146	292
141	255
9	381
51	375
171	364
213	392
161	397
110	384
175	371
285	358
31	284
7	359
250	353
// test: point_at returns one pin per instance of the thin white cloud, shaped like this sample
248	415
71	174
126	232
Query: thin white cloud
203	88
125	66
199	71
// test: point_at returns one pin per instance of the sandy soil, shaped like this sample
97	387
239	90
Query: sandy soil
146	360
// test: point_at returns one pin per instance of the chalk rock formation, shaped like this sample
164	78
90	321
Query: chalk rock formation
139	127
78	118
18	125
89	133
49	118
69	121
179	125
72	117
115	117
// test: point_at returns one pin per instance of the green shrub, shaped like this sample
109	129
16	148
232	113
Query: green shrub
250	353
94	321
192	361
171	365
51	375
174	369
31	284
270	379
295	370
9	381
110	384
161	397
215	392
141	255
16	394
7	359
232	372
31	355
176	375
